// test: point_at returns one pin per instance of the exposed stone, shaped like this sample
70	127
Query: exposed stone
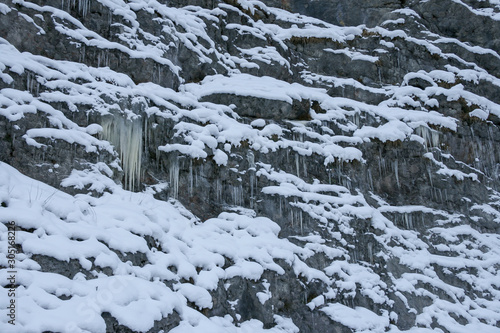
400	173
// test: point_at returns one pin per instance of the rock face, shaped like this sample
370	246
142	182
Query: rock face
368	131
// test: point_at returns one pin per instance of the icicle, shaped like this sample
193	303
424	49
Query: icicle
301	221
396	172
174	178
240	195
339	172
251	169
355	250
430	176
83	7
83	53
356	119
251	160
190	188
146	135
370	252
197	173
32	84
28	82
297	164
281	209
380	166
304	167
370	179
256	179
430	136
408	220
126	136
218	189
157	155
237	194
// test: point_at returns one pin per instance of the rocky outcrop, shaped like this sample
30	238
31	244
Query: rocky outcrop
348	150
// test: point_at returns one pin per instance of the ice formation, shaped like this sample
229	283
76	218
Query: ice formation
234	148
126	135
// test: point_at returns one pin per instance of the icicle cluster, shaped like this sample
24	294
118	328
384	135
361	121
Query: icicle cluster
126	136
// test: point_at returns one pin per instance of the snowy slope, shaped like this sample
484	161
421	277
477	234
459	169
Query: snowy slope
144	259
98	235
234	167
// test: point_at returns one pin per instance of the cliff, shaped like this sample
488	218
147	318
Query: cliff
250	166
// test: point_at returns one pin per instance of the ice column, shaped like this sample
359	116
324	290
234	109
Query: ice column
430	136
126	136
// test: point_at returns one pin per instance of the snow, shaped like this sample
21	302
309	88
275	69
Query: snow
250	242
62	75
4	9
391	131
444	170
266	54
354	55
358	319
315	302
96	239
190	258
407	11
265	295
